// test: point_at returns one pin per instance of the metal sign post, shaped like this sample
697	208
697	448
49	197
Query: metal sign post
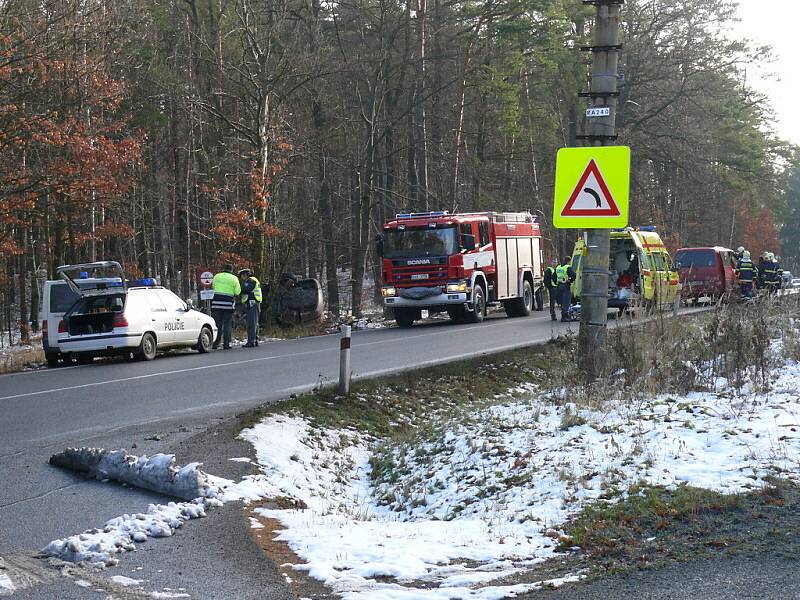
204	278
601	132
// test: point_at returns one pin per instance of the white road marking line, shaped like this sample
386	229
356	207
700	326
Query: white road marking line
216	366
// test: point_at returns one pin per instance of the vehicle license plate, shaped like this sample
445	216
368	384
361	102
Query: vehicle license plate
420	276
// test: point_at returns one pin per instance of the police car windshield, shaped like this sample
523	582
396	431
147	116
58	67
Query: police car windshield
414	243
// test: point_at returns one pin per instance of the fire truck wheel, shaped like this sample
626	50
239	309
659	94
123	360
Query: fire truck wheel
478	304
522	306
404	318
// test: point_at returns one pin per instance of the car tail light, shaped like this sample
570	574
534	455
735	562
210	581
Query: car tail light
119	320
44	331
62	326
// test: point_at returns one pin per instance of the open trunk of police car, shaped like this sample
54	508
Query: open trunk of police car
100	306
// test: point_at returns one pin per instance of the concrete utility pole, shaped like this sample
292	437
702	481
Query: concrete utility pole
601	132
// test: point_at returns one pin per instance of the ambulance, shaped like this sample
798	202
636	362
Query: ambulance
641	271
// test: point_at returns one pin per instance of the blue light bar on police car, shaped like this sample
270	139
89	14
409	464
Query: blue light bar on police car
420	215
143	282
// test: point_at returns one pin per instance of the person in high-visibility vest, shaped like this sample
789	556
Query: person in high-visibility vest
563	278
226	289
552	287
251	299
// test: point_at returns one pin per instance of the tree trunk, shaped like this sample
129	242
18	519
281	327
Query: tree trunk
420	125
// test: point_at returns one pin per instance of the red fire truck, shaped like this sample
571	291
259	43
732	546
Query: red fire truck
460	264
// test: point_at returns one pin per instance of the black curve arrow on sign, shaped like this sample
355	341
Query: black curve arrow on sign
595	195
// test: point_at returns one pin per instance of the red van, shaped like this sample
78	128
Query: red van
706	272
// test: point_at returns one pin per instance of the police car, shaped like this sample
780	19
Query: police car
115	316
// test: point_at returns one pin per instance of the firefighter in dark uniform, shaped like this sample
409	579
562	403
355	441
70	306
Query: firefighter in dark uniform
760	270
552	287
563	278
772	274
747	273
250	299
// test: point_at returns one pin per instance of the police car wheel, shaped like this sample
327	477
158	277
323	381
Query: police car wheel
147	347
52	360
204	341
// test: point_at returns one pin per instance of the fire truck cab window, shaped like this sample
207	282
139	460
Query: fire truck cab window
483	228
413	243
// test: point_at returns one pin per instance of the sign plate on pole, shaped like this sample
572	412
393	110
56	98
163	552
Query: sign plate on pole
591	189
601	111
206	277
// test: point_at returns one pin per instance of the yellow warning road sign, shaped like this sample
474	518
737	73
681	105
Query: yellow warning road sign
592	186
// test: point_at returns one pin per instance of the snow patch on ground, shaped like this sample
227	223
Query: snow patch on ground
120	534
485	498
6	585
126	581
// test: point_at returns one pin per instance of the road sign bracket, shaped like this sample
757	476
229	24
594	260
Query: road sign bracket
595	137
598	94
609	48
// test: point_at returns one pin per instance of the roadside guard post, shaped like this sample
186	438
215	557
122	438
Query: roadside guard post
344	361
592	187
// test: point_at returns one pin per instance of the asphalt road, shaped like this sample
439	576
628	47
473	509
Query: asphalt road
154	406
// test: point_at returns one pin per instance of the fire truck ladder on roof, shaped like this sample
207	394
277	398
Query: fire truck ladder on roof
422	215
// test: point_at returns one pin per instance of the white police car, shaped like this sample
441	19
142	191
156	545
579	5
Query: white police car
114	316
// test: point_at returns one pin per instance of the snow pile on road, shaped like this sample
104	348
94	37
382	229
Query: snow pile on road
472	502
120	534
157	473
6	585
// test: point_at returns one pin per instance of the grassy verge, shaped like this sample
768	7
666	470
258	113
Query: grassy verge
662	356
20	358
653	527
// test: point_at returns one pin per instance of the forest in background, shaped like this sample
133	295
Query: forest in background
280	134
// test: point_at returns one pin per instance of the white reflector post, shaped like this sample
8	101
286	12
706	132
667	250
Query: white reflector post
344	361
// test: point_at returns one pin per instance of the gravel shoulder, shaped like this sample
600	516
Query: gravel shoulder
767	577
